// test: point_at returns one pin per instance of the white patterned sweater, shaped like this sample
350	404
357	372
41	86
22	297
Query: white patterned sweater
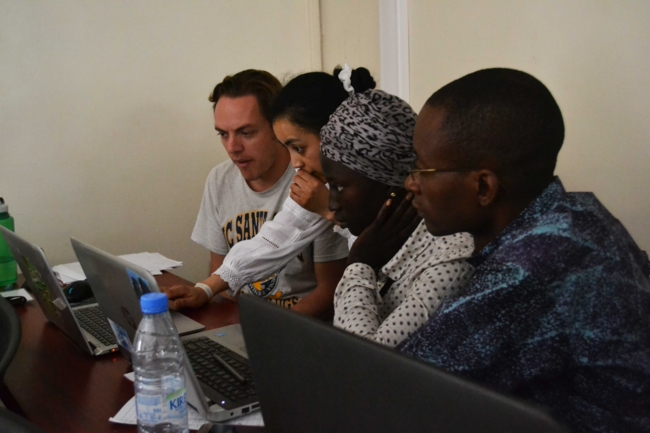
424	271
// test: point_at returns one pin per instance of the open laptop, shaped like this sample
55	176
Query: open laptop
118	286
212	388
316	378
85	325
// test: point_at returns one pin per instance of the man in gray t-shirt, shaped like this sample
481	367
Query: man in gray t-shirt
249	189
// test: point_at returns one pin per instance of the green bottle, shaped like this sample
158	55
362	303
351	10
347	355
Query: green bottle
8	273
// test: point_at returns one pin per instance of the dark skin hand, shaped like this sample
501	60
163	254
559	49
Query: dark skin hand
381	240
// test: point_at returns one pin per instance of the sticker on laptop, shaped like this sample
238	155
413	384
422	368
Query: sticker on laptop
121	336
140	286
60	304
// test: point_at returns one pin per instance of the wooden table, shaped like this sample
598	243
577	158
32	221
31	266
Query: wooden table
62	389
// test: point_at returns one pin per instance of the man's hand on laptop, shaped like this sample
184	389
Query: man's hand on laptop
185	296
182	296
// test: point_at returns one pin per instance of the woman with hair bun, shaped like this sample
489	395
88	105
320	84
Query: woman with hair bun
300	110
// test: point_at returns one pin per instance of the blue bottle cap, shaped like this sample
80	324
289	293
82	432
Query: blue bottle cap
153	303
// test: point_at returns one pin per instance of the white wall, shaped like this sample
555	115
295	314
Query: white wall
350	34
592	55
106	133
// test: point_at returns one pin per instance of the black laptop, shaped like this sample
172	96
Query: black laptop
311	377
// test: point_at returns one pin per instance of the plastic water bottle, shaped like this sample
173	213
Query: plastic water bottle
160	394
8	272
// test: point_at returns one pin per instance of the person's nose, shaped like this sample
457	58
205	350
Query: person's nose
333	203
233	145
297	161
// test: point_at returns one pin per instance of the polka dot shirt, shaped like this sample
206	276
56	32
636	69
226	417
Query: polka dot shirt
424	271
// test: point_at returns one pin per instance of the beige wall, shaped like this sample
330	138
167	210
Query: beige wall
350	30
593	56
105	129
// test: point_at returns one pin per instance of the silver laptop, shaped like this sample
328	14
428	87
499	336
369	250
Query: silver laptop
118	286
85	325
213	389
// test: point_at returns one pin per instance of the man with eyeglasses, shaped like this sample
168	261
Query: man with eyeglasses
558	309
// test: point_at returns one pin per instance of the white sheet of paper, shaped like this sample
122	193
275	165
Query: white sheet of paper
69	271
19	292
155	263
253	418
127	414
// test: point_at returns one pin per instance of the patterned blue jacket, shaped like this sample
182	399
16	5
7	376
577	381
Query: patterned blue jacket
558	313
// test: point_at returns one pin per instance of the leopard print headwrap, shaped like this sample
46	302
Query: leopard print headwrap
372	134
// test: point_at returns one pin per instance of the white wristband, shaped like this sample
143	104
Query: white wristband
206	289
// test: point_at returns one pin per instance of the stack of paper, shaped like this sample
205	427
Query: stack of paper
20	292
152	262
69	273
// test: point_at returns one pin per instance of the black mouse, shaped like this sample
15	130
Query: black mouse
78	291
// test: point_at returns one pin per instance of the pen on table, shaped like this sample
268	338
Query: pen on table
230	369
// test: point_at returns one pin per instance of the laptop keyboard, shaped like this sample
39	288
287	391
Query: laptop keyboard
213	374
93	321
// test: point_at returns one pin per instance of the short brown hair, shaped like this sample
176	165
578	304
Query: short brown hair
264	86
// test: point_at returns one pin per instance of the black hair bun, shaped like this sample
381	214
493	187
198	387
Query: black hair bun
360	79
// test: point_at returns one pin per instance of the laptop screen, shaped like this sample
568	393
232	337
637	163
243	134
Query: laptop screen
313	377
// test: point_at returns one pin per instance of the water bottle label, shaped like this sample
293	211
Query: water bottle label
177	406
149	408
176	398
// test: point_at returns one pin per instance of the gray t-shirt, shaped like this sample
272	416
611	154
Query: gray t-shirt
231	212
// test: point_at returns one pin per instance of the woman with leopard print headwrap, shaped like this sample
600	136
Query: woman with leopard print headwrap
397	273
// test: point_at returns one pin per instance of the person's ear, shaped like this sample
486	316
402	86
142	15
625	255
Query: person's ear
487	187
